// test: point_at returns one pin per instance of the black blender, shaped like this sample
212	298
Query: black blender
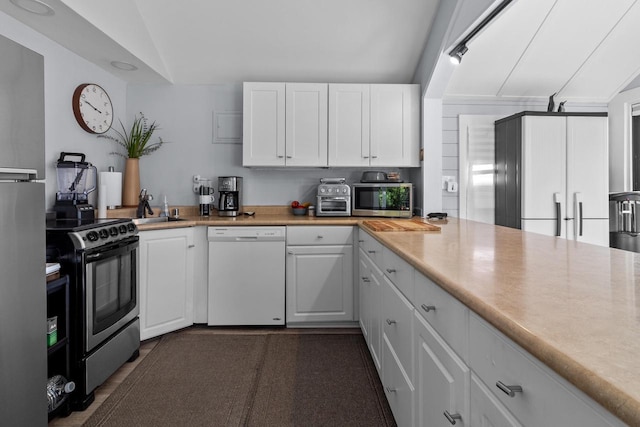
72	197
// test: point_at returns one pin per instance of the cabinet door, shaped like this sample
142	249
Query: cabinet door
364	295
395	125
319	283
544	160
486	410
306	124
263	124
348	125
441	381
166	281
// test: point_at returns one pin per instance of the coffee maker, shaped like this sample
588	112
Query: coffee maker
229	195
72	197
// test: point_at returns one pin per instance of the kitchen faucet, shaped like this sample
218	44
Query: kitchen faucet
143	205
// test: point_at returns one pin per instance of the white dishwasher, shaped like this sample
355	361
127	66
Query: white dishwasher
246	275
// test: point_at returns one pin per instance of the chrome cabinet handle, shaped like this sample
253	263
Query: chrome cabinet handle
452	417
390	390
366	280
391	270
289	157
365	157
374	157
428	308
281	157
191	246
510	390
320	237
290	253
360	241
558	204
391	322
372	252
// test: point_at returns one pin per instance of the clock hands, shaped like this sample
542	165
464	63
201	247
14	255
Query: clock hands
89	104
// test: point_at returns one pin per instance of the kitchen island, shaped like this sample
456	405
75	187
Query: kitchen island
574	306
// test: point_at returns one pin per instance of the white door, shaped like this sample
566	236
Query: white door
166	281
587	167
263	124
306	124
477	167
544	161
395	111
319	283
348	125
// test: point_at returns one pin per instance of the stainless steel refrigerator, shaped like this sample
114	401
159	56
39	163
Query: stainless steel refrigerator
23	330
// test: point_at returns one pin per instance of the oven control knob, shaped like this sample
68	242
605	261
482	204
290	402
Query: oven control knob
322	190
92	236
113	231
123	229
104	234
131	227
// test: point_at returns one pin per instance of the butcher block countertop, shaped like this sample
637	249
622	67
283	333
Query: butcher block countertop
574	306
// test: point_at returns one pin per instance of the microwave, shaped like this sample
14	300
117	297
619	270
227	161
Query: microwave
382	199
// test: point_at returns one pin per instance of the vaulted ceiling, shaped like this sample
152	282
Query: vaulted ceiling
582	49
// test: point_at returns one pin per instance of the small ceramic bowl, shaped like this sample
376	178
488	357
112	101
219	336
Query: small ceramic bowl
299	211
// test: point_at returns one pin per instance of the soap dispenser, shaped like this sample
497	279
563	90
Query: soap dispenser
165	208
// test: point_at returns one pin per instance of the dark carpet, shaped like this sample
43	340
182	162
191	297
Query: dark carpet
273	379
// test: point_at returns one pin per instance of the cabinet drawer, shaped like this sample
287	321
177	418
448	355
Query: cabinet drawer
370	246
545	399
447	315
398	271
397	324
319	235
397	387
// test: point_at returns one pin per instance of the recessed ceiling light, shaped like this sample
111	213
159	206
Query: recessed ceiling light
34	6
125	66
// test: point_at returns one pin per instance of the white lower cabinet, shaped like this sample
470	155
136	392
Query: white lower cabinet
319	274
441	380
165	261
397	386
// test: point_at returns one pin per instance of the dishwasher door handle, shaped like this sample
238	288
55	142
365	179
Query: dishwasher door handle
247	238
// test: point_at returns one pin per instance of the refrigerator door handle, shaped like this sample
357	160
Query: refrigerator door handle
577	205
558	201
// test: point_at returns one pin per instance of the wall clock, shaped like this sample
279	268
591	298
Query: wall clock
92	108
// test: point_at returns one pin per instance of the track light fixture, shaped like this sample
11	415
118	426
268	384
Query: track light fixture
461	48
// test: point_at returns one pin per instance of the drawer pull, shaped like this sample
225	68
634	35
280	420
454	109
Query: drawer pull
360	241
390	390
510	390
191	246
391	270
372	252
391	322
428	308
320	237
366	279
452	417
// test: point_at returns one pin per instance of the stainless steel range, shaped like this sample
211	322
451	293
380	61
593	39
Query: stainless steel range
333	198
100	257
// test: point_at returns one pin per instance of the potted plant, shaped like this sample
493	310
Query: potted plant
137	143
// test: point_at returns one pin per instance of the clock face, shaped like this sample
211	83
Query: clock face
92	108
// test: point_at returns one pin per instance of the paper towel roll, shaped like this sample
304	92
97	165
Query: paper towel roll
102	201
113	181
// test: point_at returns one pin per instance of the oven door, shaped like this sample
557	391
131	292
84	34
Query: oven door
111	292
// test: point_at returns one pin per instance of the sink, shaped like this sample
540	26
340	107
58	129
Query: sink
152	220
155	219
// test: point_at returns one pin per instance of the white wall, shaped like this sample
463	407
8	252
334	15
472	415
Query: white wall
185	115
450	141
63	72
620	140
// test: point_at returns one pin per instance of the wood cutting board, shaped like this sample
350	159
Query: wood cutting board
400	225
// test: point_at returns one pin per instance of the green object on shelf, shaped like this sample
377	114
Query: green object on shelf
52	330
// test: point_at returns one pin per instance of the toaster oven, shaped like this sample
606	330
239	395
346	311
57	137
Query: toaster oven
333	198
382	199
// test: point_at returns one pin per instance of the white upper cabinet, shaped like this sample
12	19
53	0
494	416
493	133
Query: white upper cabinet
285	124
263	124
395	125
306	124
319	125
349	125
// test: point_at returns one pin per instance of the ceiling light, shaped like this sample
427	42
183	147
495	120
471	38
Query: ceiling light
34	6
461	48
456	54
124	66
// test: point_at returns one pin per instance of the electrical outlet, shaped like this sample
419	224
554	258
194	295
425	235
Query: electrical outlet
196	179
196	188
446	179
